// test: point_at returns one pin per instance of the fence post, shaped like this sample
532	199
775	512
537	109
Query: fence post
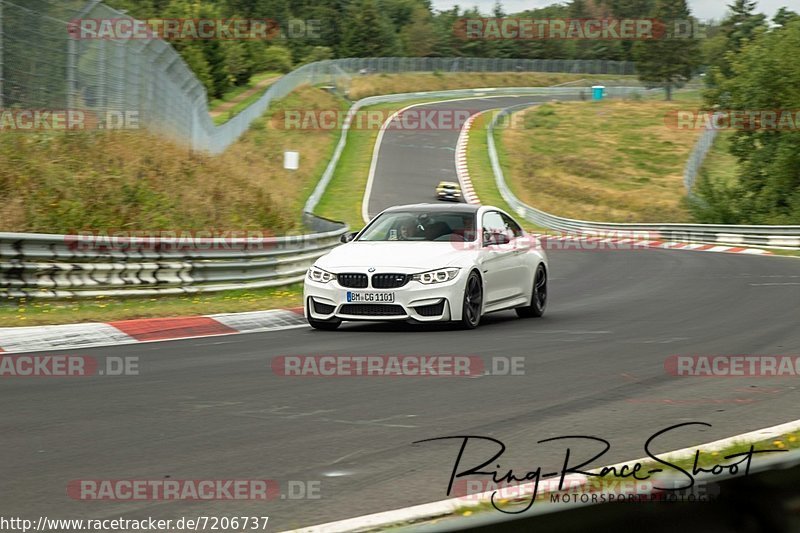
2	84
72	55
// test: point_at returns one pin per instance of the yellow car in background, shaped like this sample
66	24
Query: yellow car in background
448	191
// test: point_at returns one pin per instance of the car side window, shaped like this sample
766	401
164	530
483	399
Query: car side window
512	226
493	223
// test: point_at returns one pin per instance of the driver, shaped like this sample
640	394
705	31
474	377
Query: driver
406	229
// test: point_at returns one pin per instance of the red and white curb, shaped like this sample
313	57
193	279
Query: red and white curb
72	336
462	170
449	508
711	248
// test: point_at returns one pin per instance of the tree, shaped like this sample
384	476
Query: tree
447	42
221	79
358	28
741	26
419	36
767	187
596	49
369	32
671	60
769	160
784	16
330	17
318	53
743	21
401	12
277	58
192	53
629	9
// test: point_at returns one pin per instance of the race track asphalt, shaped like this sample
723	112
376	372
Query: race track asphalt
412	161
212	408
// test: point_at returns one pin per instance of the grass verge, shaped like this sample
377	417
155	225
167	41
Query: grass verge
720	165
62	183
480	168
614	160
222	117
236	92
37	312
117	181
787	253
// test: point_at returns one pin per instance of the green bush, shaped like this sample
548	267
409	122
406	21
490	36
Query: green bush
318	53
276	58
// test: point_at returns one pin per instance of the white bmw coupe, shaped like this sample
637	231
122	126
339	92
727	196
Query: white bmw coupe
429	263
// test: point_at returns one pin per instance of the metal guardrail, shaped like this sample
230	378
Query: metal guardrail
64	266
787	237
699	154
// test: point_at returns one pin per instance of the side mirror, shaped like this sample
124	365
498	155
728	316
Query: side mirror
347	237
495	239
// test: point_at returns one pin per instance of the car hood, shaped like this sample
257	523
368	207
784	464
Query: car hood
412	255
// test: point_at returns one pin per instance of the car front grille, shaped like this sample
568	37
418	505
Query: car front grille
431	310
372	310
323	309
389	281
353	281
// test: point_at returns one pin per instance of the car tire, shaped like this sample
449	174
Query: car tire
538	296
472	306
325	325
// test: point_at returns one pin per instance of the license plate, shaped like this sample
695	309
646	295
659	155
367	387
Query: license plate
370	297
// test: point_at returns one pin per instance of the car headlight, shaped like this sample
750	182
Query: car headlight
436	276
319	275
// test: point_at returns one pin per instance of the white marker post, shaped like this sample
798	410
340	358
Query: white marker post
291	160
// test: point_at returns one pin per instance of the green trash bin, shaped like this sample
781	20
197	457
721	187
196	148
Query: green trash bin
598	92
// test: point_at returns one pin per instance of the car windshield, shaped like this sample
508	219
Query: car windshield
416	226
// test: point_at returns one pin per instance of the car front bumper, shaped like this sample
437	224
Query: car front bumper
449	197
414	301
